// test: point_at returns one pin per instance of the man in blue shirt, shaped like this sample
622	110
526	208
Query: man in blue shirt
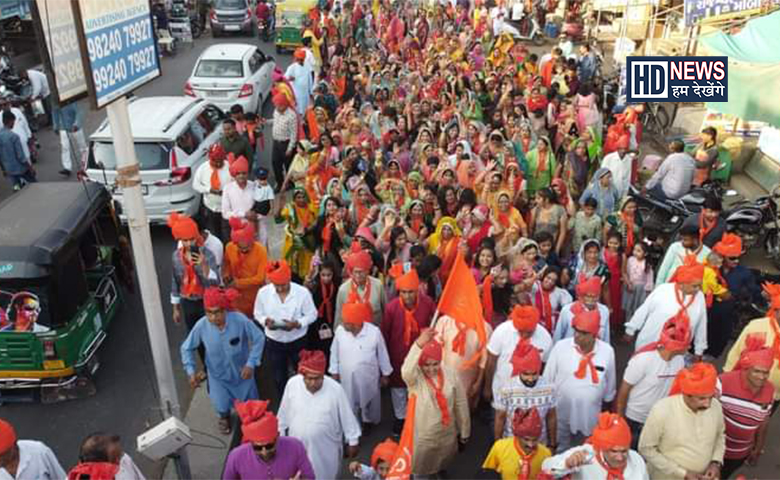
12	158
587	67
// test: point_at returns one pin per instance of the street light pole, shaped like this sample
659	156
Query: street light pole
129	180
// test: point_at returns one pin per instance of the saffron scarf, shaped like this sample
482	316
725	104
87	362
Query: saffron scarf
705	227
487	298
441	400
411	327
612	473
215	183
629	221
586	362
327	300
327	236
355	297
525	461
190	286
544	305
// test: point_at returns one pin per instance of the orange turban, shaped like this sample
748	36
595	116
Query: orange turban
299	54
591	286
701	380
217	152
431	351
408	281
525	358
183	227
772	290
524	318
690	271
360	259
729	246
756	353
587	321
384	452
312	361
611	431
216	297
7	436
279	272
676	333
94	471
241	231
258	424
527	423
239	165
356	313
280	100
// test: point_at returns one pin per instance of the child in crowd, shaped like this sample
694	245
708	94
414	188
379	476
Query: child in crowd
380	462
613	258
637	280
547	255
264	197
713	285
585	225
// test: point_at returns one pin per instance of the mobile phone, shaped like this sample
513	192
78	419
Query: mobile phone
195	250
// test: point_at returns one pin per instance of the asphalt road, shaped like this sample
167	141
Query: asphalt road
126	402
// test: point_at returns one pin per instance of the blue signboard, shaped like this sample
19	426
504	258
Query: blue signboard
121	54
677	79
698	10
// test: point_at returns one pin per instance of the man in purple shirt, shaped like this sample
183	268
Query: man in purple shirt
266	455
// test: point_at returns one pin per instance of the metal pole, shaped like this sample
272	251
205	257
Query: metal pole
129	180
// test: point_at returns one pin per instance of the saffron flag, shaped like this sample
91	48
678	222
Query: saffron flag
401	466
461	301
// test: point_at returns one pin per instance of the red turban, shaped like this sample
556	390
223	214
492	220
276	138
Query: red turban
241	231
280	100
690	271
217	297
356	313
183	227
591	286
217	152
279	273
299	54
676	334
701	380
250	410
384	452
611	431
408	281
7	436
94	471
239	165
525	358
623	142
524	318
312	361
527	423
729	246
361	260
262	431
755	353
587	321
431	351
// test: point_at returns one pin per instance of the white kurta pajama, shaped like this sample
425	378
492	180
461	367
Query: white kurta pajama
635	469
579	399
321	420
660	306
564	328
359	360
502	344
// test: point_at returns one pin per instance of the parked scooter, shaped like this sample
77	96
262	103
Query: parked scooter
534	32
757	224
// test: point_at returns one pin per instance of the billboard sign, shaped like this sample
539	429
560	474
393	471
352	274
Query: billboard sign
713	10
118	48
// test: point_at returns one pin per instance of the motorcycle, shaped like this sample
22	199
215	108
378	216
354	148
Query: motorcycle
535	33
757	224
266	26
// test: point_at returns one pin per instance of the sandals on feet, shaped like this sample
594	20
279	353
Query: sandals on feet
224	425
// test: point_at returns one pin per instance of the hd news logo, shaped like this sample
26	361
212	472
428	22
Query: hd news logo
677	79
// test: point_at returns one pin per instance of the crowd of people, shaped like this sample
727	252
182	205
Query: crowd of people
414	148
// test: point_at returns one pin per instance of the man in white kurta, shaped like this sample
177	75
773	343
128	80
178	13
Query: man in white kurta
619	163
301	77
582	369
588	293
315	410
660	306
358	359
523	323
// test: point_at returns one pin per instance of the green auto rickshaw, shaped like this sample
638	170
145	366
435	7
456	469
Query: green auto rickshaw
60	267
290	22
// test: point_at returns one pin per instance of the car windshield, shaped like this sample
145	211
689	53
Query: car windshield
220	69
230	4
151	156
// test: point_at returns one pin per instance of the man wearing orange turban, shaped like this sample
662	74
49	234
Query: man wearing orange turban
519	456
381	460
650	373
316	410
209	180
266	454
285	309
682	296
300	74
523	324
404	317
606	455
245	264
526	389
588	295
746	396
228	380
684	433
359	360
361	287
582	368
26	458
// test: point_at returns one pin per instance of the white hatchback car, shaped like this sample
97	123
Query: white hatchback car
172	136
232	73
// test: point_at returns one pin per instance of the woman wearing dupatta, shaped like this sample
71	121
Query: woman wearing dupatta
300	215
627	222
577	168
542	166
330	230
444	244
361	205
417	225
508	224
